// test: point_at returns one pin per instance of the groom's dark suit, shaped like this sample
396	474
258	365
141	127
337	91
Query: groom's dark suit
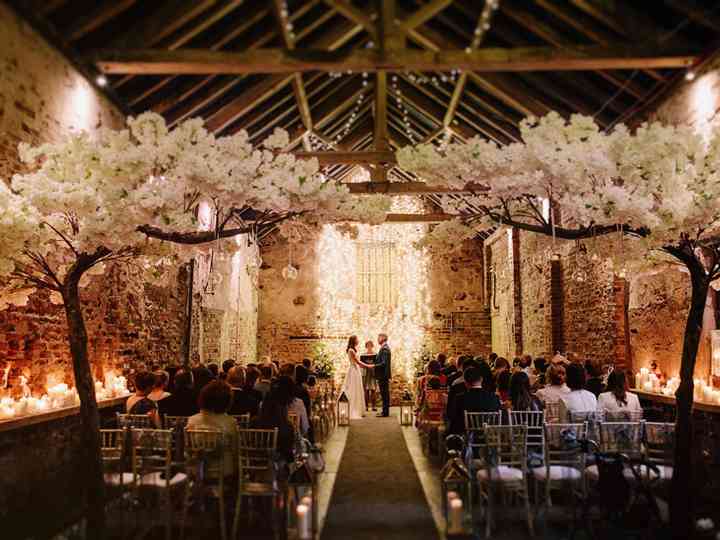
383	371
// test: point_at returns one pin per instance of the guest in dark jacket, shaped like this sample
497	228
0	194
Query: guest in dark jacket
274	414
252	374
458	386
476	398
182	402
244	402
594	382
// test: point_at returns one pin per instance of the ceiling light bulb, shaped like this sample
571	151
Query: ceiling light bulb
101	80
689	75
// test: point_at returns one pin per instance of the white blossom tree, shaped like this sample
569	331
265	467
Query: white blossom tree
134	194
659	185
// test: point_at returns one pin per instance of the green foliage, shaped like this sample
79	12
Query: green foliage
322	361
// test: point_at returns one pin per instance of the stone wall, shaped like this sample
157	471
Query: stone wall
293	315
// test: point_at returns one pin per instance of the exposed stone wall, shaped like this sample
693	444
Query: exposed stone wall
291	321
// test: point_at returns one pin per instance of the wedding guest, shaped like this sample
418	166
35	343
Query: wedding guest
521	399
501	364
502	381
243	401
215	400
450	368
139	403
214	369
557	388
307	363
476	398
227	365
274	414
432	373
492	359
458	372
458	386
287	370
442	359
263	383
202	377
617	399
252	374
182	401
301	391
540	366
578	399
159	391
286	387
594	383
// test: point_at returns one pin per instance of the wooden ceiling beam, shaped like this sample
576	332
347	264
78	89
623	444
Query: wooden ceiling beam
199	62
357	16
243	103
96	18
380	113
419	218
696	13
424	14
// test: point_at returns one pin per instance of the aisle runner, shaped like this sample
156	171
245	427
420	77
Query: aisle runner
377	492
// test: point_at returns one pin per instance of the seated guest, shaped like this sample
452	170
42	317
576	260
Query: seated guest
263	383
521	399
501	364
307	364
287	370
492	358
202	376
578	399
215	400
159	390
442	359
139	403
183	400
502	381
458	386
301	391
432	371
617	399
244	402
540	372
252	374
458	371
214	369
227	365
556	388
476	398
450	367
594	383
286	386
274	414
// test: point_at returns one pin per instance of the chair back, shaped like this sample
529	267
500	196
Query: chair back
435	403
206	445
534	421
243	420
660	442
552	411
175	422
151	452
621	437
593	420
256	448
478	420
506	445
112	445
138	421
562	444
623	416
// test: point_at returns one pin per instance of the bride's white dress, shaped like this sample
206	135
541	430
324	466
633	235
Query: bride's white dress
353	387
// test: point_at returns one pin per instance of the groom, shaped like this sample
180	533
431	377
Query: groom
383	373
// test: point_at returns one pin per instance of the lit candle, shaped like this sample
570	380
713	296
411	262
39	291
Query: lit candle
455	517
303	521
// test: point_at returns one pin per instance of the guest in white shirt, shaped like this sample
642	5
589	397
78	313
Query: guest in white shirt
578	400
556	389
215	400
285	386
617	399
159	391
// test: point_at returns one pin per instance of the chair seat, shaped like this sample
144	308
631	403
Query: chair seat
501	473
557	472
666	472
155	479
118	479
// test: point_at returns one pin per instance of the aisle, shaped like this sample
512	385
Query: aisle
377	492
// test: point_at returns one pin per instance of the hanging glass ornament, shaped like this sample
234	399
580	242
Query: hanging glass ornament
290	273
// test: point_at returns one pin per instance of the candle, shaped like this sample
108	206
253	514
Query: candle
455	517
303	521
647	386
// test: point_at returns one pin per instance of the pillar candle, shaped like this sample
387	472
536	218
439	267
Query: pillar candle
455	517
303	521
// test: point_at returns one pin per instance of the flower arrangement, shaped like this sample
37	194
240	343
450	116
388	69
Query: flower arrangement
322	361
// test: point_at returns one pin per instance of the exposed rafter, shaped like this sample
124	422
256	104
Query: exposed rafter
205	62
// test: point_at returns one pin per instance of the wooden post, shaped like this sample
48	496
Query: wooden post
187	344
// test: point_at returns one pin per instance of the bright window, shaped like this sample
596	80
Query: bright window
375	273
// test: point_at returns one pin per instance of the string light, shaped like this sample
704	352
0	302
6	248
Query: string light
101	80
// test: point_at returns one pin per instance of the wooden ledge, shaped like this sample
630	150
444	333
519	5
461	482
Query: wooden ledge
670	400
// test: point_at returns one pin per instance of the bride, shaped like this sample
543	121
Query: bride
353	385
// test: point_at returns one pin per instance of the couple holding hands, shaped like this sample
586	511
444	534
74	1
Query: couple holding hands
377	369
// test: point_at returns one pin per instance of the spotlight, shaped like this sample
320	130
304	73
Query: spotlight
101	80
689	75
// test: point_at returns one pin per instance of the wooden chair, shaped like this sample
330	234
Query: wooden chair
242	420
564	459
621	438
256	472
152	467
135	421
659	448
505	467
205	454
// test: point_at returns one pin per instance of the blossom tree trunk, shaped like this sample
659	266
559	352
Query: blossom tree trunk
682	496
89	414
